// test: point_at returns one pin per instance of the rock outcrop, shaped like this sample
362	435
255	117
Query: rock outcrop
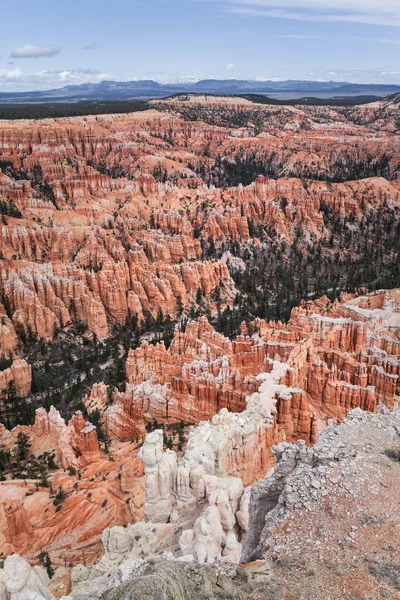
83	439
323	352
20	581
20	374
322	514
304	476
283	383
74	444
124	553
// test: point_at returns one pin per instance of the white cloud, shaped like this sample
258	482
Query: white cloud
17	80
376	75
261	78
230	67
383	40
169	77
300	36
385	12
10	74
35	51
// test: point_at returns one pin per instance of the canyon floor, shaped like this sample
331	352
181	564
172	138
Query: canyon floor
200	352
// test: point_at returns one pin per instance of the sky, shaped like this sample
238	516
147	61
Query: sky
52	43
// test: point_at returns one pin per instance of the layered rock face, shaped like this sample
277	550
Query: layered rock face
95	496
98	490
123	420
83	436
194	379
74	444
8	336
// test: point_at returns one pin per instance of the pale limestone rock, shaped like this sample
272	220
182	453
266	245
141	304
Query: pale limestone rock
186	542
213	534
242	514
232	487
20	581
79	573
124	551
137	540
233	548
160	477
231	444
208	536
116	542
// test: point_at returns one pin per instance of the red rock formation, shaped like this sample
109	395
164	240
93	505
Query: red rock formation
18	526
200	374
104	493
123	420
332	359
73	445
103	246
8	336
83	439
282	384
20	373
109	240
98	397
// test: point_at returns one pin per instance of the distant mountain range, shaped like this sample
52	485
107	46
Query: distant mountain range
147	89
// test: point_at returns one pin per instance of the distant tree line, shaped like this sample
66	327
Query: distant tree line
70	109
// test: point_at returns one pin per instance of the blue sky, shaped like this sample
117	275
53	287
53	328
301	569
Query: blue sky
51	43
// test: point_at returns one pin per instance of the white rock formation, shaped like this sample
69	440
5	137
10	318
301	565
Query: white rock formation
215	533
207	538
124	551
228	444
221	447
160	477
20	581
242	514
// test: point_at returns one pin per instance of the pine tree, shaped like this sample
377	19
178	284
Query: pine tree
44	558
